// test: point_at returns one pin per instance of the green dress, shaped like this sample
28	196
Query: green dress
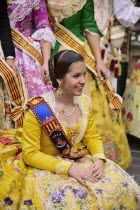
77	16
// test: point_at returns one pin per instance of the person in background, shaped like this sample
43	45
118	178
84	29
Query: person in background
33	40
5	36
75	27
131	103
32	54
7	52
127	14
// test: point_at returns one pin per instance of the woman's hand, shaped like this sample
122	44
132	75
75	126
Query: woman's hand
102	71
45	68
81	174
45	71
97	169
11	63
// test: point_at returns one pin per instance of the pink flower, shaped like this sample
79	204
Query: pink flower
17	158
129	116
17	170
5	140
112	112
137	66
123	111
113	155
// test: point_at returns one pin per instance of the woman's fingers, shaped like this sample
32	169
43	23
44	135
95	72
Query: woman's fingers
90	177
81	180
96	174
92	167
100	175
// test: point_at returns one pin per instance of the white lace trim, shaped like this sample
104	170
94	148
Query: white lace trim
22	10
84	108
46	34
19	1
73	125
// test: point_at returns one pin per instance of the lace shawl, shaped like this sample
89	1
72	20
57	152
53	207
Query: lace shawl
23	8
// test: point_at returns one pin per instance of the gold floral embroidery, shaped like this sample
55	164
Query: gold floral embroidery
60	11
74	134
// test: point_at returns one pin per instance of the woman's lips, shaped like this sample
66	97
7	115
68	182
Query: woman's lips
79	89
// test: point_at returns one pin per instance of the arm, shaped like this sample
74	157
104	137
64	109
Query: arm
126	13
46	51
6	37
43	32
32	153
92	34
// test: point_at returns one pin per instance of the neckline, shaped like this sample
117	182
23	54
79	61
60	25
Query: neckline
52	104
64	123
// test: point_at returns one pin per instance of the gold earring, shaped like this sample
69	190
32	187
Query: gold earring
59	91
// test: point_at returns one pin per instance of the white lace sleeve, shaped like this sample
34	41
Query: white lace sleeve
46	34
126	13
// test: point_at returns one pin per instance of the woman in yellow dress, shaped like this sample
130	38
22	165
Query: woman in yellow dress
57	161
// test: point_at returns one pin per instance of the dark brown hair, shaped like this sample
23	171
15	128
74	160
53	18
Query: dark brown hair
59	64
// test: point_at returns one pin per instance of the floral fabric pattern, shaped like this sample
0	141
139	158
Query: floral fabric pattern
30	188
131	103
103	11
5	107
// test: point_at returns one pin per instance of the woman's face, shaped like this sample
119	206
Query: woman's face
74	80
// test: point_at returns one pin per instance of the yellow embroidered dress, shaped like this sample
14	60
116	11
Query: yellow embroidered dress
76	17
131	103
43	182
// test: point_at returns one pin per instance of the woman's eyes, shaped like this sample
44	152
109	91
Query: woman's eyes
77	75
